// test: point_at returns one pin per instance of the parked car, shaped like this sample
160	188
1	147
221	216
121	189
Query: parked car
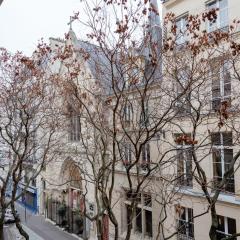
9	218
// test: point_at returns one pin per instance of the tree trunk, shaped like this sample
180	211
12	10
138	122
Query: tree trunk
99	229
21	230
214	225
129	230
1	229
18	224
17	219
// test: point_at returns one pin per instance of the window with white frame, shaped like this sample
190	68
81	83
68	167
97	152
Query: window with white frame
184	161
128	113
185	223
149	69
181	23
141	214
222	153
127	154
146	157
221	85
74	124
226	227
74	131
183	105
222	14
32	152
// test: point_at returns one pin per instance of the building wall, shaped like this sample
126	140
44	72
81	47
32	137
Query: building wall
179	7
228	204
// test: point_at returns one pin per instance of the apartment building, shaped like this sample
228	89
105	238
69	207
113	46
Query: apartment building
217	89
172	203
154	178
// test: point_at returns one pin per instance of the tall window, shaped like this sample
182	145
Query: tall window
222	157
74	131
128	113
145	156
34	182
181	23
222	18
32	152
226	227
185	224
184	161
183	106
127	154
221	85
142	213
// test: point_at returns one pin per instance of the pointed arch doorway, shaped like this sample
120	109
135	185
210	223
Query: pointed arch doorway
71	177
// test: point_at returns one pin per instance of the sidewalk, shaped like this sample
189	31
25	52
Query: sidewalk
11	233
40	229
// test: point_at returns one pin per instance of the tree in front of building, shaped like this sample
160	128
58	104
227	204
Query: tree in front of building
29	122
149	111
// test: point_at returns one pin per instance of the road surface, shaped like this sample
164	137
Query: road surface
37	228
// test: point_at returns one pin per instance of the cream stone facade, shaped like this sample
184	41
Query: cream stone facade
228	204
61	183
170	196
189	197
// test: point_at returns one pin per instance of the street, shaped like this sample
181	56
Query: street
37	228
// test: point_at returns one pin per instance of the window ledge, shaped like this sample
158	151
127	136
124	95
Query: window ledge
229	198
223	197
137	235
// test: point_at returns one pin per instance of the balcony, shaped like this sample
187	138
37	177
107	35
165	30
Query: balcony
181	236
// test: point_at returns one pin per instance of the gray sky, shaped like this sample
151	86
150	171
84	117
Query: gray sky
24	22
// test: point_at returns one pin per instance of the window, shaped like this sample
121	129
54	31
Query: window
29	199
145	156
26	179
74	133
144	117
226	227
185	224
183	105
128	113
222	18
181	23
184	166
127	154
32	152
149	69
184	160
222	156
142	213
221	85
34	182
43	184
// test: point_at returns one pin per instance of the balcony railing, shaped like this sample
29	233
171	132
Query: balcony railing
181	236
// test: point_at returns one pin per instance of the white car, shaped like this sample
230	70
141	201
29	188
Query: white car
9	218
